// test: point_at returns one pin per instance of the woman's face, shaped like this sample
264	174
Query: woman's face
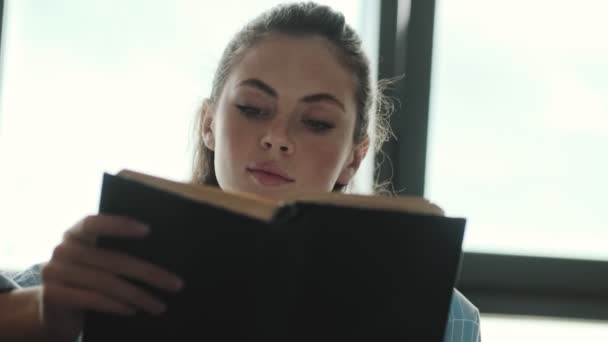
285	120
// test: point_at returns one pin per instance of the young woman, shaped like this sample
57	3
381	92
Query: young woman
289	113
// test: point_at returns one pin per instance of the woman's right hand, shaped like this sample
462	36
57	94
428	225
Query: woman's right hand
82	277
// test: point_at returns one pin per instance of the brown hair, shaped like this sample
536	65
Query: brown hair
299	19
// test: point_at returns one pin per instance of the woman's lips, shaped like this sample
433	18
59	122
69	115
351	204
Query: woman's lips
268	178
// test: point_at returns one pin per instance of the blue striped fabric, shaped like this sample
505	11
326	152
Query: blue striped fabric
463	321
11	280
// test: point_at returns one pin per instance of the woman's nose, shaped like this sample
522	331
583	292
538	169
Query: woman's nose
276	138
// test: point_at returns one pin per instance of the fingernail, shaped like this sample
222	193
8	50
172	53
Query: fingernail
178	284
142	228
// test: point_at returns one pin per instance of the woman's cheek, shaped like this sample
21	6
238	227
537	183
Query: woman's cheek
237	129
323	157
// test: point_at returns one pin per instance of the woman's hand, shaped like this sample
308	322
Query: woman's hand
81	277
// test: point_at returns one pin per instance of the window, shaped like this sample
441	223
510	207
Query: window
98	86
518	140
503	328
518	135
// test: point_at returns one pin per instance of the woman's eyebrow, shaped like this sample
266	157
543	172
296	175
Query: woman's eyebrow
320	97
324	97
256	83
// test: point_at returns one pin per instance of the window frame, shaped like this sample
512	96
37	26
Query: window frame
499	284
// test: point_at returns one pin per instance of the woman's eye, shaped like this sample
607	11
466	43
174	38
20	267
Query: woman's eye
318	125
251	111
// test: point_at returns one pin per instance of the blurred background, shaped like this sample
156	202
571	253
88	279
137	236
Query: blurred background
503	120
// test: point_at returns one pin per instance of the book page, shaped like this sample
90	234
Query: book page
263	209
411	204
247	204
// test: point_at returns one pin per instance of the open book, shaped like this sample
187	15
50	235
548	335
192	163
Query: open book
327	266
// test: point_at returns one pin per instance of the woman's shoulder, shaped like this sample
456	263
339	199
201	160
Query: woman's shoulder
27	278
462	308
463	320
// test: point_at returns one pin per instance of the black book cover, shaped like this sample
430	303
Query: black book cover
316	272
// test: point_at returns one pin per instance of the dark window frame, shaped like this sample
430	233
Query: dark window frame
501	284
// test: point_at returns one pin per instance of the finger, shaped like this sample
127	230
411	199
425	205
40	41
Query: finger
104	284
117	263
80	299
89	228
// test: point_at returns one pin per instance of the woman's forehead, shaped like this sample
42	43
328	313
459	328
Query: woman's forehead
301	63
